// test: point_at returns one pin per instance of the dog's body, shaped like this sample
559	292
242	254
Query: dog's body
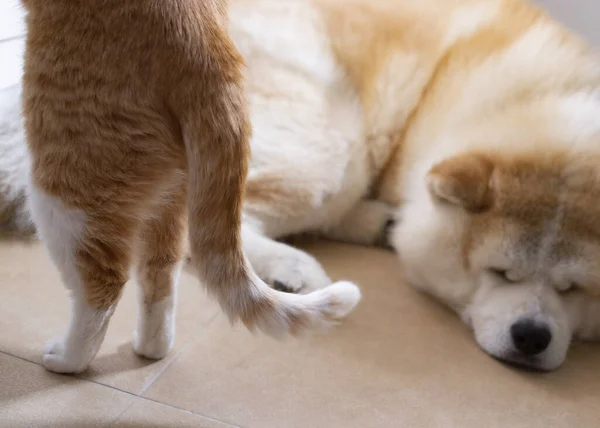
478	120
472	123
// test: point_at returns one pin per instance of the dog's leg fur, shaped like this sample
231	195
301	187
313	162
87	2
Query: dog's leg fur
95	285
366	224
289	269
283	267
157	272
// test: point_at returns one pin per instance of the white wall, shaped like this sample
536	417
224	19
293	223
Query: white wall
12	33
580	15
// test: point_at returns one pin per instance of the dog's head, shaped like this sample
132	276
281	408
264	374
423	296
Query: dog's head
512	243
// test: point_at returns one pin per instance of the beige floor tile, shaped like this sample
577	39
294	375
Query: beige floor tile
400	360
149	414
35	307
32	397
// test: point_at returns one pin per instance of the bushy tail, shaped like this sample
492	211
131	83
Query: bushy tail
216	133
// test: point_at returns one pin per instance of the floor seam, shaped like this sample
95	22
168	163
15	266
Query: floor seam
193	340
72	376
127	407
19	357
163	369
138	396
175	357
189	411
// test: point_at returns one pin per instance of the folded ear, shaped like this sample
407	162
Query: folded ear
463	180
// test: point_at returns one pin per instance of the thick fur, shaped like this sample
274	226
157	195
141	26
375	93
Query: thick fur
136	120
471	123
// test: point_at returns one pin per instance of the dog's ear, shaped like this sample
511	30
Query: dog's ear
464	180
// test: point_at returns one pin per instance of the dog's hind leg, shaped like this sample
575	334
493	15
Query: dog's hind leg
92	253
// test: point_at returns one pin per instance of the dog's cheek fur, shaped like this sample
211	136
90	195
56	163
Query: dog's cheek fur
429	240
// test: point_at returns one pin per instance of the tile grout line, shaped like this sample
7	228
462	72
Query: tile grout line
181	409
135	397
69	376
174	358
144	388
127	407
163	369
148	384
65	376
20	358
155	377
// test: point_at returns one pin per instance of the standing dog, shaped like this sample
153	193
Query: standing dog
135	119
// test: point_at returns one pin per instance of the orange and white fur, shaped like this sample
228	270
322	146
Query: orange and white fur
136	122
471	123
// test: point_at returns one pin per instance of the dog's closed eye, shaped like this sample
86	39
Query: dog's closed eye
569	287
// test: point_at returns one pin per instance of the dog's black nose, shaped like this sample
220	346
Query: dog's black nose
529	337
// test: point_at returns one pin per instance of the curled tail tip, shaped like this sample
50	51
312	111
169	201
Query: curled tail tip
281	314
319	310
343	298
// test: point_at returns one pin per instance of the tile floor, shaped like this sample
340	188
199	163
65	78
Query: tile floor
399	361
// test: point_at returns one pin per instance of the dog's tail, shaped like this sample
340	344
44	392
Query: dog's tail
216	131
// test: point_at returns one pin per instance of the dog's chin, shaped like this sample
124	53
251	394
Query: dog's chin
534	364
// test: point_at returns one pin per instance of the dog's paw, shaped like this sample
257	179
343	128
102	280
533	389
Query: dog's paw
380	218
59	359
293	272
369	223
384	237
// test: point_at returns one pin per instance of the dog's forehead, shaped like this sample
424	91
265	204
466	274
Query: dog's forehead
549	207
553	196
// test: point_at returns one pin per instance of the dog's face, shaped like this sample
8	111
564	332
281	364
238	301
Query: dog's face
513	245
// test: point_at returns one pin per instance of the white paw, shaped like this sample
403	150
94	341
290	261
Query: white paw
293	271
154	347
59	359
155	333
377	219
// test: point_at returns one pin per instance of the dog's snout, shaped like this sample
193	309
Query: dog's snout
529	337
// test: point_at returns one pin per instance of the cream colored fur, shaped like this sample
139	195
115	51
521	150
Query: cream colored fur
341	116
